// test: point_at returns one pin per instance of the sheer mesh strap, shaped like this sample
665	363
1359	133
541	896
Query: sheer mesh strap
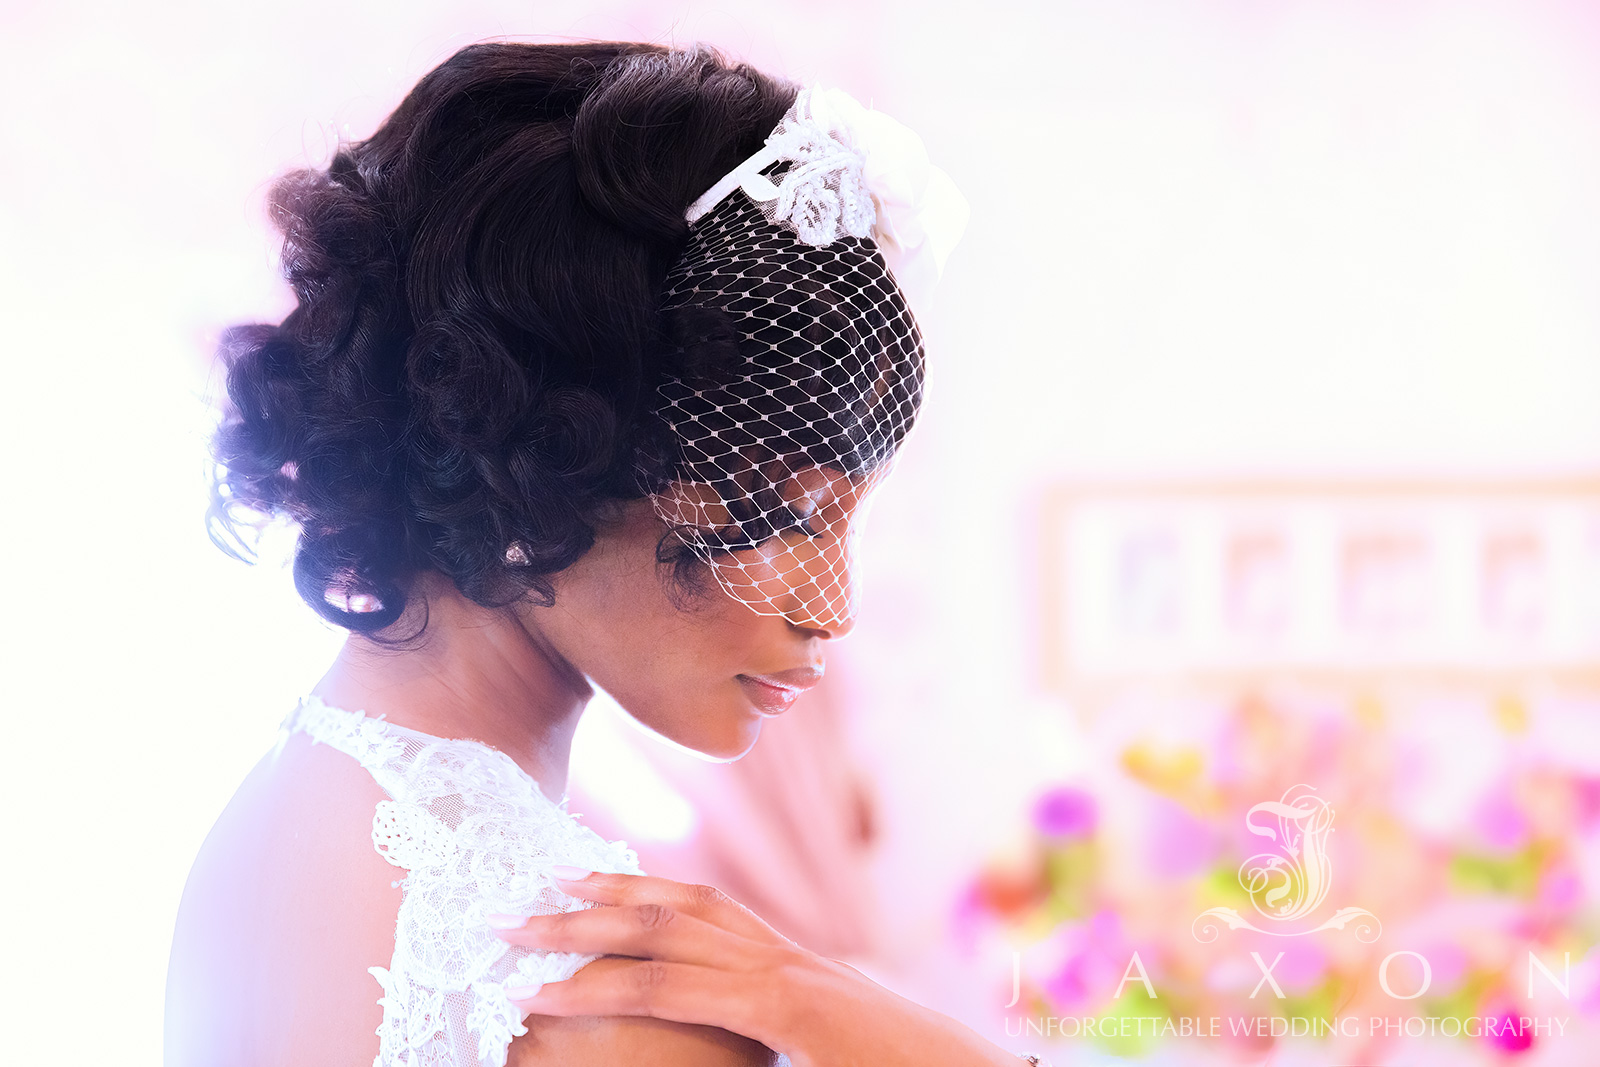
476	836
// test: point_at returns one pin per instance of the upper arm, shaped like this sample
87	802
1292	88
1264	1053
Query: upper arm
603	1041
285	909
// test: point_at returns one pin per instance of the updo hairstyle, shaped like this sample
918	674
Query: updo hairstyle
477	344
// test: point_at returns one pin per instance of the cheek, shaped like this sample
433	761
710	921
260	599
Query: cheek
667	651
674	669
696	705
717	721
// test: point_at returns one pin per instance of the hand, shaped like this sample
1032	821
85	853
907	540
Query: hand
691	954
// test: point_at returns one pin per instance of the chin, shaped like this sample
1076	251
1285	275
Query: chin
735	749
728	744
716	733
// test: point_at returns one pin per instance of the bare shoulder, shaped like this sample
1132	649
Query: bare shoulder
286	907
289	904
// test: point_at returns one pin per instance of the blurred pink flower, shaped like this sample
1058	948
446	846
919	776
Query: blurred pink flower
1303	968
1561	889
1179	844
1586	797
1448	963
1501	824
1090	961
1510	1036
1065	813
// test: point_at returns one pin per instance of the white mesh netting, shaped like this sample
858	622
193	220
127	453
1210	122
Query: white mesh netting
803	373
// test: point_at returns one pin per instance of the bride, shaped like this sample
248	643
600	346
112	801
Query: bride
599	351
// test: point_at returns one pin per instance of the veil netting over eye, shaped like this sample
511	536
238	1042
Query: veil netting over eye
803	373
799	364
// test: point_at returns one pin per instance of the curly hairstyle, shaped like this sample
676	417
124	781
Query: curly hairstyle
477	341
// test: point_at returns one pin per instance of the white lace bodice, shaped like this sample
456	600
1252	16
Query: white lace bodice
478	837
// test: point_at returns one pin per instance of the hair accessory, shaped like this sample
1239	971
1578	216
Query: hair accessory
799	362
517	555
857	172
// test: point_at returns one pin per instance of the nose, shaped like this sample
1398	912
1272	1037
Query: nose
820	583
825	625
808	580
807	573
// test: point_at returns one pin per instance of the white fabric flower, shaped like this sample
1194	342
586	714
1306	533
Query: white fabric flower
920	214
853	171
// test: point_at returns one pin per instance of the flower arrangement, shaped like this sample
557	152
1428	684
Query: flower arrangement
1418	894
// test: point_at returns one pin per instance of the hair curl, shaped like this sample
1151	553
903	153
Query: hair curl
476	342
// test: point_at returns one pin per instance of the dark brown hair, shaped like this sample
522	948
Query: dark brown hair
474	352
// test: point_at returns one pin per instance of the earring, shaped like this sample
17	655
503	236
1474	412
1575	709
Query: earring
517	555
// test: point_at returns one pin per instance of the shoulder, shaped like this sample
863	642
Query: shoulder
289	906
286	908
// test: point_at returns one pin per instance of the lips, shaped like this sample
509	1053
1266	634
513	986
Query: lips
773	694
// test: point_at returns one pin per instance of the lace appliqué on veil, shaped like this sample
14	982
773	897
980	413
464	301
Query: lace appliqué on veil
822	195
477	837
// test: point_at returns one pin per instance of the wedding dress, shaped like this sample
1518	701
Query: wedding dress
477	837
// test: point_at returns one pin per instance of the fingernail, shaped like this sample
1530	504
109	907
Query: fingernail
506	922
570	874
523	992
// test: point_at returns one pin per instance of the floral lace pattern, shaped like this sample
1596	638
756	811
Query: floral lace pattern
833	168
477	836
823	196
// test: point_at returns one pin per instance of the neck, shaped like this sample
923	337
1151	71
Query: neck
476	673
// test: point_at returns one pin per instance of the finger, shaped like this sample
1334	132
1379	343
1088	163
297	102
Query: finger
678	992
701	901
648	931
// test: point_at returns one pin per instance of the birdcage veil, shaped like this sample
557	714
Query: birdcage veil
800	362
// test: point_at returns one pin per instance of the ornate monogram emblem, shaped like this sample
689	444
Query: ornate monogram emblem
1290	883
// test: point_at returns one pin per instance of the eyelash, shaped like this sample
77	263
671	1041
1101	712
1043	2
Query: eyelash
804	524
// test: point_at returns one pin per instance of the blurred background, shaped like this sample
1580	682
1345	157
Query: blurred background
1260	466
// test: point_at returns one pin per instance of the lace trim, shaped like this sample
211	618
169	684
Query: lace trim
477	836
822	196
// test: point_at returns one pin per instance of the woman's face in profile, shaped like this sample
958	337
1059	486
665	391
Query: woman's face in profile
705	669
